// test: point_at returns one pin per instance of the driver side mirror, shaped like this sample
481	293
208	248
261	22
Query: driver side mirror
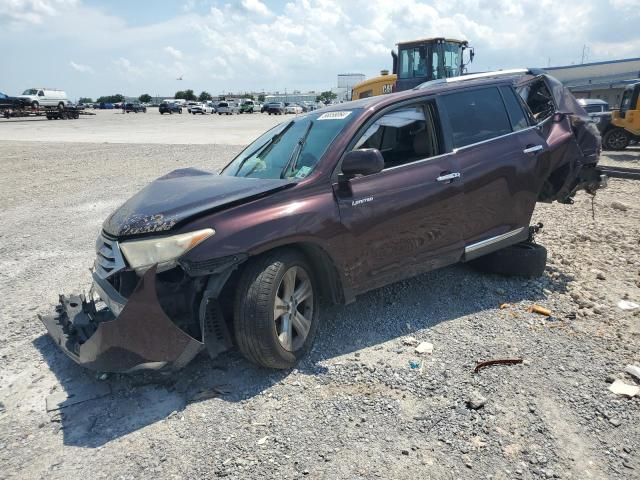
366	161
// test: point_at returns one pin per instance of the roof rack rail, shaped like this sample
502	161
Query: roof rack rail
475	76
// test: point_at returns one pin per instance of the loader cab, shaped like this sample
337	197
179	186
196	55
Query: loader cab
625	121
422	60
630	99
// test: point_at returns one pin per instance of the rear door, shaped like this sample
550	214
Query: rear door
498	156
404	220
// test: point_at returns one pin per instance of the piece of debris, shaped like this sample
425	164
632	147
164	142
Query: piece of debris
413	364
410	341
627	305
633	370
476	401
498	361
619	206
539	310
505	305
262	440
622	388
424	347
76	393
212	392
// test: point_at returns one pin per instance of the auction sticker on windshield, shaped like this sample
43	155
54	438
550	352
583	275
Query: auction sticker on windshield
334	115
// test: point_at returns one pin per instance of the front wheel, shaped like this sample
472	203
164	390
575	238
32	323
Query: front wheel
616	139
276	309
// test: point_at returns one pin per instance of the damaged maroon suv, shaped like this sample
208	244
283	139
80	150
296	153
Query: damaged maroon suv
328	205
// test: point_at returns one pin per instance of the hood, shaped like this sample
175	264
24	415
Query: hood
181	194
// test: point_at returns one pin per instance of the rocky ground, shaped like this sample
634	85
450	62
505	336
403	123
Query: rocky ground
364	404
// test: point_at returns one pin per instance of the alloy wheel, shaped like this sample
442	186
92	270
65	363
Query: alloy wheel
293	308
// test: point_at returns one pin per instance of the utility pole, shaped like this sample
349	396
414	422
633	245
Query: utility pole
585	53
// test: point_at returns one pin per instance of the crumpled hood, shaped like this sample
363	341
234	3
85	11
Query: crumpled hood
181	194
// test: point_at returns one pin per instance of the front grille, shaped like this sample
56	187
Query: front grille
109	260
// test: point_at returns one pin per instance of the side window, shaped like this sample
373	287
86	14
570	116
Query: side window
41	93
476	115
404	135
538	98
514	109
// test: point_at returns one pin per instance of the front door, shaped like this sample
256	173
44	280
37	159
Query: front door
405	219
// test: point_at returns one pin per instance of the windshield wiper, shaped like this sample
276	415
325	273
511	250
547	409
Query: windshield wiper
293	159
266	148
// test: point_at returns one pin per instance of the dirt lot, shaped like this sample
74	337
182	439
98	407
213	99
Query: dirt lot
363	404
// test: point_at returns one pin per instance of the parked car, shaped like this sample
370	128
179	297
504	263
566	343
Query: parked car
166	107
227	108
135	107
12	103
274	108
293	108
330	205
45	97
201	108
598	110
106	106
249	106
190	104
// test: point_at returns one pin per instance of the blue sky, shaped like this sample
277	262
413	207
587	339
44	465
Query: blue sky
92	48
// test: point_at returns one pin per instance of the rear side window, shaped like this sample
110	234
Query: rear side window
514	109
476	115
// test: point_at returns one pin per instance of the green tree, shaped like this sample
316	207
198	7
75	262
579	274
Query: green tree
179	95
186	95
261	97
145	98
111	98
326	97
204	96
85	100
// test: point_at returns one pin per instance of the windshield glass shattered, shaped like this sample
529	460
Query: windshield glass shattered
291	149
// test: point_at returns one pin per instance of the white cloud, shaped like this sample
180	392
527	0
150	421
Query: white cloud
256	6
81	68
174	52
127	68
33	11
258	44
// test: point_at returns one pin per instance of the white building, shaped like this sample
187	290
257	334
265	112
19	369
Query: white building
346	81
605	80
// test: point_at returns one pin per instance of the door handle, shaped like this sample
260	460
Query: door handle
533	149
449	177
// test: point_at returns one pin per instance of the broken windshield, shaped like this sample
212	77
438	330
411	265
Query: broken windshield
291	149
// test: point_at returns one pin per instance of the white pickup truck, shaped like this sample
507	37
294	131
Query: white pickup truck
45	97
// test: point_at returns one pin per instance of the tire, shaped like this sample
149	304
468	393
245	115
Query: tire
180	111
261	337
61	106
616	139
35	105
161	113
523	259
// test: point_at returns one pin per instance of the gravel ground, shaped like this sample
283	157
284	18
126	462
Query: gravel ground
363	404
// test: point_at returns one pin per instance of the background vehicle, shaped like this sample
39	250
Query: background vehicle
333	203
166	107
106	106
248	106
227	108
201	108
416	62
190	104
12	103
135	107
45	97
598	110
293	108
275	108
624	127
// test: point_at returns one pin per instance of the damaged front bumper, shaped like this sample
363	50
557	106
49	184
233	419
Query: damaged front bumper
124	335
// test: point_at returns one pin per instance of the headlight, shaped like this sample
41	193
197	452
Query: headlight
142	254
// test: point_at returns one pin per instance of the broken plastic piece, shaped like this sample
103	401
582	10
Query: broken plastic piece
498	361
540	310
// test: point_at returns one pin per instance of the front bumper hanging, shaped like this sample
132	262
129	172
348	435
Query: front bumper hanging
126	335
